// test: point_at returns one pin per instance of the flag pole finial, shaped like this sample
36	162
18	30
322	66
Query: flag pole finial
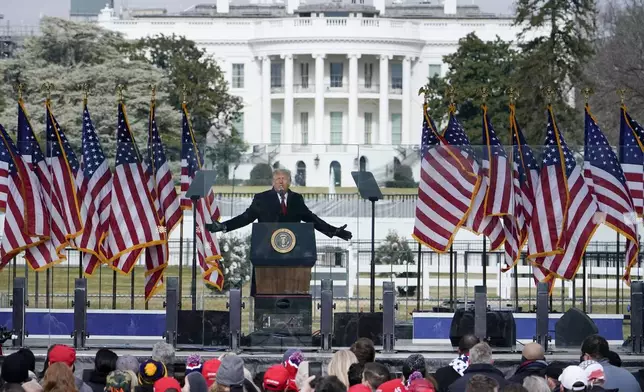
512	93
47	86
184	94
424	91
485	93
587	93
548	92
119	91
153	87
622	95
85	89
451	94
20	87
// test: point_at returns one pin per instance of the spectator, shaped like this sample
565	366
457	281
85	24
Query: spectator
30	361
249	383
209	370
150	372
480	364
330	384
104	364
421	385
275	379
413	363
573	378
481	383
259	380
14	369
195	382
533	362
128	362
292	364
288	353
614	359
193	364
164	353
364	350
395	385
374	375
230	375
121	381
534	384
595	347
60	353
552	372
594	374
12	387
59	377
445	376
355	374
339	365
302	375
167	384
516	388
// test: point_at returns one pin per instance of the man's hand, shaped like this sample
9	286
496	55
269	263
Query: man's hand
215	227
341	232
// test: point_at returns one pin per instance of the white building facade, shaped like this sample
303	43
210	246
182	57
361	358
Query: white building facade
325	85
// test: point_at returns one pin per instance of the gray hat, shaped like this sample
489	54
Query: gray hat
231	371
128	362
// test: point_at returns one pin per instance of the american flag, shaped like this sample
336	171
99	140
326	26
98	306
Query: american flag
567	231
477	221
49	252
207	210
63	166
525	176
496	171
166	200
609	188
133	224
94	181
631	156
445	192
20	184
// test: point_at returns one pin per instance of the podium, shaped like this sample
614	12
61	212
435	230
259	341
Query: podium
282	255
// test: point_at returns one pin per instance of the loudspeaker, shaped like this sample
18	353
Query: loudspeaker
349	326
207	328
281	312
572	328
500	326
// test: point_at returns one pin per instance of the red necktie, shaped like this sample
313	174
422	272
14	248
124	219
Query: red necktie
283	205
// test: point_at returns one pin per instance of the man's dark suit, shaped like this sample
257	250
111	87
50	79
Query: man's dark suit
266	208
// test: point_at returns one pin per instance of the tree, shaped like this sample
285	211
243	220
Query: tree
261	174
69	54
403	178
394	250
476	64
555	59
235	263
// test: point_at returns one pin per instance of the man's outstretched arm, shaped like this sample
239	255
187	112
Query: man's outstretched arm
245	218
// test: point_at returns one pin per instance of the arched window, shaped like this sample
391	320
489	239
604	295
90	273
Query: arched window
300	174
363	163
335	171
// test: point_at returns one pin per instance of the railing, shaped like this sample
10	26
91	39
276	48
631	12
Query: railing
277	89
304	88
369	88
338	87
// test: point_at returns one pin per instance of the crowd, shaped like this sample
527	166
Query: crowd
353	370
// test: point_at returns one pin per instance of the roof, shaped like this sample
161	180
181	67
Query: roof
337	6
423	11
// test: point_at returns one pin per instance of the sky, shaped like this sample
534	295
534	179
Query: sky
28	12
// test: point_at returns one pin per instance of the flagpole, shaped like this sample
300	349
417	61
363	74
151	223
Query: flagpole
451	277
617	274
180	261
484	260
420	255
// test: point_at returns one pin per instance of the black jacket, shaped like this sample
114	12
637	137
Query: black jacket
483	369
97	381
526	369
266	208
445	376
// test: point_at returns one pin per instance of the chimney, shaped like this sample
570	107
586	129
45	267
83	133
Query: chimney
450	7
380	6
292	5
223	6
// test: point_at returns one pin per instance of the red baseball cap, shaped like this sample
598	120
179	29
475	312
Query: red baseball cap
359	388
276	378
165	383
62	353
209	371
392	386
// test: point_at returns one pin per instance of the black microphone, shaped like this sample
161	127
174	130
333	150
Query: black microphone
281	191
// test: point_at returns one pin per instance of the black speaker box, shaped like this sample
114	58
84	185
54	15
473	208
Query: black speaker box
280	312
500	326
207	328
349	326
572	328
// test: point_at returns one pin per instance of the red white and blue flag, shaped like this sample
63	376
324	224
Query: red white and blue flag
631	157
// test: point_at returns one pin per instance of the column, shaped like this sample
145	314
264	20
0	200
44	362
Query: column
319	98
383	127
266	99
288	102
353	98
406	100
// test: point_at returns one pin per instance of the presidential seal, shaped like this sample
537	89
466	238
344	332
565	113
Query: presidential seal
283	240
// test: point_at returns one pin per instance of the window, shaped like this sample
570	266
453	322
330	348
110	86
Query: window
336	127
276	75
396	128
368	119
336	74
276	128
396	75
335	171
300	174
238	125
304	73
363	163
434	70
368	74
304	127
238	75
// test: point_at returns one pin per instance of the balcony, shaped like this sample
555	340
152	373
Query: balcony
336	87
336	148
304	88
395	88
369	88
277	89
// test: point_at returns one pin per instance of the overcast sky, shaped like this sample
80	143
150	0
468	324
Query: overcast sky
27	12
